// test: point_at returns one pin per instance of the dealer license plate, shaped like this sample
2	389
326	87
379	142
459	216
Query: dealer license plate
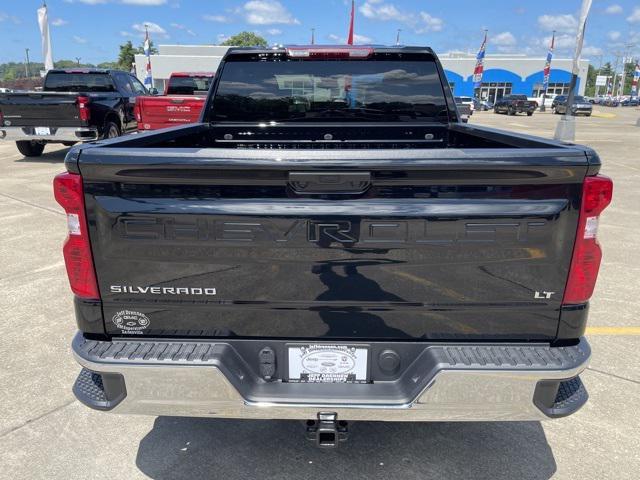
42	131
328	364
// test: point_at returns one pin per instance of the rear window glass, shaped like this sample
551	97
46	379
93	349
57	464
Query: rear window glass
79	82
188	85
329	90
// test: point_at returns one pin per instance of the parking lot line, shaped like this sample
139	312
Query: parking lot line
613	331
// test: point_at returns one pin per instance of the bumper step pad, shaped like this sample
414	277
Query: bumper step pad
571	396
91	390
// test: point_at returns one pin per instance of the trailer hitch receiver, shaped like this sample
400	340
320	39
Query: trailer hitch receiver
327	431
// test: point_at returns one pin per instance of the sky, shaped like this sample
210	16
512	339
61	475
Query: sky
93	29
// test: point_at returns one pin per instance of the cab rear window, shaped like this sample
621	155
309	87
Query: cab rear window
79	82
329	90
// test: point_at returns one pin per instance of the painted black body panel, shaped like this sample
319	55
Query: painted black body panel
454	232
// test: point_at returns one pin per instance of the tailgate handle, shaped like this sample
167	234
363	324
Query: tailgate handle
345	183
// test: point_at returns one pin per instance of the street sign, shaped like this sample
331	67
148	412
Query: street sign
601	80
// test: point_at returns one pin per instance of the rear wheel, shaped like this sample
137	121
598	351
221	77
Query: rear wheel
29	148
529	114
111	130
511	111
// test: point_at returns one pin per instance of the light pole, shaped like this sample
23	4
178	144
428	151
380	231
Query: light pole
398	37
78	60
28	65
313	36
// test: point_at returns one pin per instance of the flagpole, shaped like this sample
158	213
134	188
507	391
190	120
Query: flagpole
547	77
350	36
566	128
479	68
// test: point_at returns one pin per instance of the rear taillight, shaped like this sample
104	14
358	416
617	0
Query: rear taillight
67	189
83	108
597	192
137	111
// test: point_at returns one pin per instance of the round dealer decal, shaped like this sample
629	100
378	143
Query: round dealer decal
130	321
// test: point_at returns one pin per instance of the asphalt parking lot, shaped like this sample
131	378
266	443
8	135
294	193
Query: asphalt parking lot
46	433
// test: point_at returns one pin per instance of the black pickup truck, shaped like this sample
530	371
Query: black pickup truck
75	105
330	243
512	104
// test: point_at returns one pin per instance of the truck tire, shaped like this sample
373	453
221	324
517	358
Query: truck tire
529	114
111	130
30	149
511	111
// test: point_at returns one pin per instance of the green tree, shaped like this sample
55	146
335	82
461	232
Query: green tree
108	65
629	69
590	88
246	39
127	54
126	57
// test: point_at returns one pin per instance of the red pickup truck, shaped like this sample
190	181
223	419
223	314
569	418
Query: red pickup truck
181	103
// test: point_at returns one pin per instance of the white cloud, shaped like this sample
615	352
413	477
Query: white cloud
504	39
357	39
149	3
420	22
4	17
180	26
614	35
274	31
267	12
561	23
384	12
154	29
505	42
124	33
429	23
142	3
635	16
613	9
58	22
79	40
591	50
87	2
216	18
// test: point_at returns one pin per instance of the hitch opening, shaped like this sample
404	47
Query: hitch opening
327	431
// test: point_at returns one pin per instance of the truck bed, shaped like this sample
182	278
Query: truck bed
399	232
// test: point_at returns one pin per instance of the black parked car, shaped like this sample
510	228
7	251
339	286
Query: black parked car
580	105
512	104
75	105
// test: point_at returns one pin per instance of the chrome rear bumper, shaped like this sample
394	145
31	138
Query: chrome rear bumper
58	134
453	382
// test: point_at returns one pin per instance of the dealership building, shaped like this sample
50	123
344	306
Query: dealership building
503	74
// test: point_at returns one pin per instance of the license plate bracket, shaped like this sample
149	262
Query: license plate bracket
328	363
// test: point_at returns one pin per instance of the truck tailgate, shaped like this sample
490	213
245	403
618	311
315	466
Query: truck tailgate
34	109
411	244
169	111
